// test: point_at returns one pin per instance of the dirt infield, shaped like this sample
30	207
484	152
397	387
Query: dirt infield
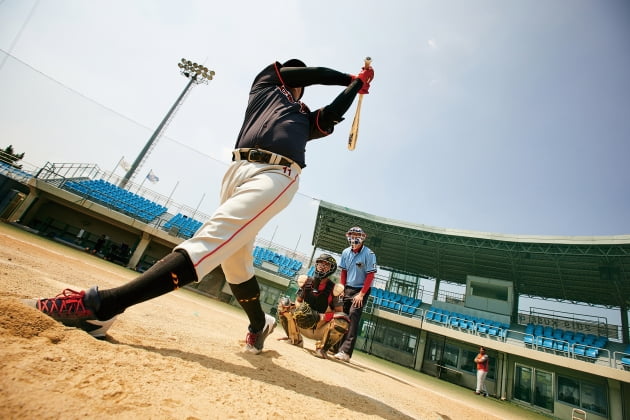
180	357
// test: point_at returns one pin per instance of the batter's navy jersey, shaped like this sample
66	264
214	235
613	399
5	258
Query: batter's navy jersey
275	121
358	265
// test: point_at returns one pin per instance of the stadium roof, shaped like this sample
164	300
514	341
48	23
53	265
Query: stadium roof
588	269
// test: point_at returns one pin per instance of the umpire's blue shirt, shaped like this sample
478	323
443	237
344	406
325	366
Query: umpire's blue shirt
358	265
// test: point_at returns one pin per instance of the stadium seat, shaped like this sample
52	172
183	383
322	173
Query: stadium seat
528	339
579	349
601	342
592	352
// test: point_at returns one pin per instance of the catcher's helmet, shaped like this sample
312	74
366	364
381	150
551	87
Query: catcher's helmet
355	235
329	259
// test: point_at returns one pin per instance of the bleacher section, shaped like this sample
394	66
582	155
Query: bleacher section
272	261
394	301
13	172
570	343
186	226
577	345
117	198
468	322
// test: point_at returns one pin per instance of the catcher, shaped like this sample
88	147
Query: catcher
318	311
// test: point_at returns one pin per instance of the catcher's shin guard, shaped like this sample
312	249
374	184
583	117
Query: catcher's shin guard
288	323
335	331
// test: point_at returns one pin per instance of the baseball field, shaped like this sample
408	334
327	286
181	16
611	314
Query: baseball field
180	357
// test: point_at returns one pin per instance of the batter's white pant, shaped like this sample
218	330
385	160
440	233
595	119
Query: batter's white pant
481	381
251	195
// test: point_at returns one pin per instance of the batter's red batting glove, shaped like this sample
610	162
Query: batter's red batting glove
366	76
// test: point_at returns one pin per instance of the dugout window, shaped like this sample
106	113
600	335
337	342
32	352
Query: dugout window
533	386
457	355
389	335
583	394
450	357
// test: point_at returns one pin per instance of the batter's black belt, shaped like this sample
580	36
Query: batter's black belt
261	156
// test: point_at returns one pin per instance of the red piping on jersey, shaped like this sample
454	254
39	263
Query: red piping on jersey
317	123
275	66
284	85
245	225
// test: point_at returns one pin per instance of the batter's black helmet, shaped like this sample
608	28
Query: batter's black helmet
294	62
326	258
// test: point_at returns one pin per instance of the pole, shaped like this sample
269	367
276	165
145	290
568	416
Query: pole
170	196
141	184
202	197
115	167
156	134
296	245
273	236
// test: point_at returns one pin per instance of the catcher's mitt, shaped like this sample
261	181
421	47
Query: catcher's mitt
305	316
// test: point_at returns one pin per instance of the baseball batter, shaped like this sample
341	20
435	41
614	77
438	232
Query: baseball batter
260	182
318	311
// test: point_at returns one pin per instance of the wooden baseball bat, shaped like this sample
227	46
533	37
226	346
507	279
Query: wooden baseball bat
354	130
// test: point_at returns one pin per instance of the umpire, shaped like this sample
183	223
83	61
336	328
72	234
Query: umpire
358	267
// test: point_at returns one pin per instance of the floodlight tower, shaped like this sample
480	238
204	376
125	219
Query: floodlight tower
197	74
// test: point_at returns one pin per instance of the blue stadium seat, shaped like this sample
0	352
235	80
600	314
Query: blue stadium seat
592	352
579	349
482	326
601	342
377	295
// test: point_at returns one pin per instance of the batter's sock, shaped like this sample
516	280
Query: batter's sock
170	273
248	295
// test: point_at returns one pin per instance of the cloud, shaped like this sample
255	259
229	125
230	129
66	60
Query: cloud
432	44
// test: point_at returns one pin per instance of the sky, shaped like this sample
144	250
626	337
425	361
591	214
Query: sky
489	116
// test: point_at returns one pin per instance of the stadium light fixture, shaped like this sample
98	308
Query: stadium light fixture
197	74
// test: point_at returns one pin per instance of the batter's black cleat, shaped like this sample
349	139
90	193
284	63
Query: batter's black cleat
254	342
75	309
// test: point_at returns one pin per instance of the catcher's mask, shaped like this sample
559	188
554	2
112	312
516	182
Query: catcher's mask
325	266
355	236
